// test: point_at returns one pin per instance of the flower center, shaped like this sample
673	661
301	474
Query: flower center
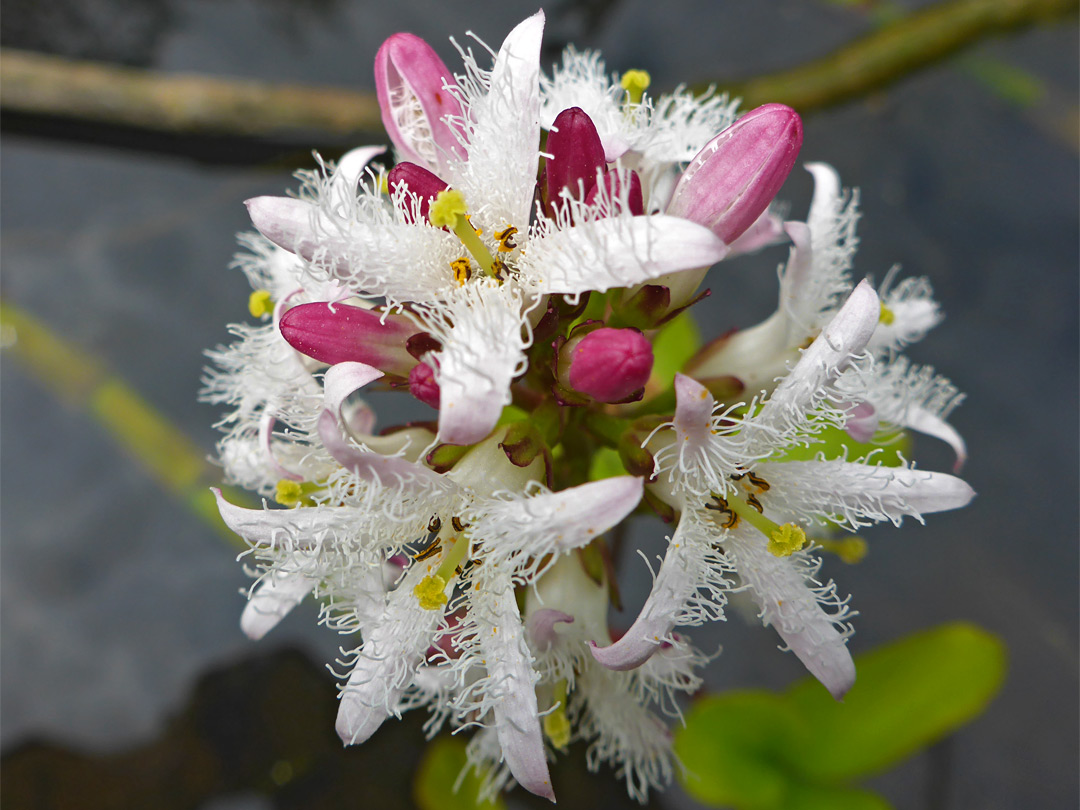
431	591
448	210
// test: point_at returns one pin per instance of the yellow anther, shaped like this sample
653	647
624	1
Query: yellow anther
887	316
431	592
786	540
260	303
635	83
507	243
462	270
851	549
557	728
288	493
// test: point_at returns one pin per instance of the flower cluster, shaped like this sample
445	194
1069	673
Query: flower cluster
512	269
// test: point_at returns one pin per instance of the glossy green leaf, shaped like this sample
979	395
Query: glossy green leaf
907	695
736	748
433	785
673	346
834	443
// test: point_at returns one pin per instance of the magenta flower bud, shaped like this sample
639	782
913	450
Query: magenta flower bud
423	386
733	179
610	365
409	81
424	184
611	181
344	333
576	156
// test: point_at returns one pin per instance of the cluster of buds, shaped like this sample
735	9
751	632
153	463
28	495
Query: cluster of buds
513	269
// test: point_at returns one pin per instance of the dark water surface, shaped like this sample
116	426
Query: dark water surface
115	598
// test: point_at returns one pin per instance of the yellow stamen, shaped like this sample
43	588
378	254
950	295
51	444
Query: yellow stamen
887	316
431	592
260	304
506	239
635	83
556	723
448	210
786	540
462	270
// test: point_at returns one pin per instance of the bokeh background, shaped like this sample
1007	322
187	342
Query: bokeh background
116	599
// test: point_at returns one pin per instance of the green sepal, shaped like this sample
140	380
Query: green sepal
645	309
445	456
636	459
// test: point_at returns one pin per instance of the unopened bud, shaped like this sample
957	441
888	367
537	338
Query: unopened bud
343	333
419	181
576	156
609	365
409	82
733	179
423	386
610	184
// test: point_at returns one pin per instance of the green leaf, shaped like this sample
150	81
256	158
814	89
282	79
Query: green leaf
736	748
673	346
605	464
907	695
832	442
433	785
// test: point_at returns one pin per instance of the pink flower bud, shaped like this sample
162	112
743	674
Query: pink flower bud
423	386
611	182
733	179
424	184
862	421
576	156
344	333
610	364
409	81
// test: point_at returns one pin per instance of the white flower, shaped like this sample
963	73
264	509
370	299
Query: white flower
376	246
494	527
747	512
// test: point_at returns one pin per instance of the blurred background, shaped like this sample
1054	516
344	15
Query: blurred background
125	679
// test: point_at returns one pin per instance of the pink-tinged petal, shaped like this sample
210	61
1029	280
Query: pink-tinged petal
609	365
733	179
690	564
862	421
541	626
345	379
503	131
619	251
410	81
556	522
805	386
481	353
610	186
287	222
266	428
286	529
931	424
781	587
343	333
419	181
693	410
272	600
857	494
575	157
393	648
349	170
512	693
372	466
767	230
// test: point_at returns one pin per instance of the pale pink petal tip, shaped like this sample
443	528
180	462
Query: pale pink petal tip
611	364
732	180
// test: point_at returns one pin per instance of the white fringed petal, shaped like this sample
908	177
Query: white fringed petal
272	601
289	529
618	251
387	661
930	424
791	603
